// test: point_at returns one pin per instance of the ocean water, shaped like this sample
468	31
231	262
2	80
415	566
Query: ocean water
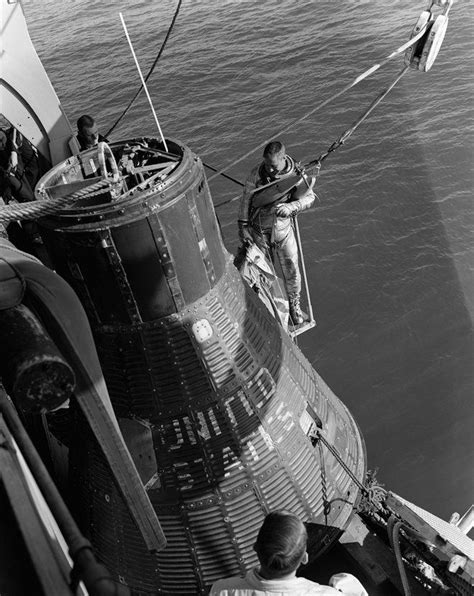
389	245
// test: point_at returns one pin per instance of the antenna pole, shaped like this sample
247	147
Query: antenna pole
143	81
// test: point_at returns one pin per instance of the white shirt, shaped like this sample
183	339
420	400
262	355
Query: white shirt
255	585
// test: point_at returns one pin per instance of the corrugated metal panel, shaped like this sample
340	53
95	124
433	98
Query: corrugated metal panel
178	553
211	540
245	514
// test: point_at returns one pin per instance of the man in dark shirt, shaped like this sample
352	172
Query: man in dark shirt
14	183
88	134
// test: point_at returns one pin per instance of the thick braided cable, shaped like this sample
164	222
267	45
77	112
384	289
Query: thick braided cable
35	209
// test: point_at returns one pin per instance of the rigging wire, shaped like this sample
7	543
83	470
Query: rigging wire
355	82
324	492
345	135
132	101
340	141
223	175
33	209
341	461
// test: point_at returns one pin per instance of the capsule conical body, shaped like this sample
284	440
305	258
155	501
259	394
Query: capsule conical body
219	408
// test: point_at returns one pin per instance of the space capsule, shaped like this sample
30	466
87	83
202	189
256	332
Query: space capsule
221	411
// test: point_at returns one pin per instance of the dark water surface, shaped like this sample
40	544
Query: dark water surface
389	247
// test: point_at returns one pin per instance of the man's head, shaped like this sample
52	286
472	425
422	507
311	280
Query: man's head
274	158
281	544
87	128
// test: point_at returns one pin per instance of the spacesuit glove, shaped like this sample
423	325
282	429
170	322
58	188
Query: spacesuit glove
288	209
244	232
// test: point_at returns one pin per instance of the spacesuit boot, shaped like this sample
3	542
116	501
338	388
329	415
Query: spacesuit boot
295	309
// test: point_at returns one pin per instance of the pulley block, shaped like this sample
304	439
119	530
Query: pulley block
422	54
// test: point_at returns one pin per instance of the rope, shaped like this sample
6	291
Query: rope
393	529
345	135
324	492
348	471
224	175
355	82
132	101
35	209
340	141
364	490
343	464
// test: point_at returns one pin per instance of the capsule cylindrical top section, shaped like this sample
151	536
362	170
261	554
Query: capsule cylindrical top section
138	237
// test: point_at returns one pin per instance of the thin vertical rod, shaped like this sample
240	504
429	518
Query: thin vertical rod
303	269
143	81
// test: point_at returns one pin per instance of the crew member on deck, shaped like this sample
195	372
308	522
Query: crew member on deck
14	182
270	225
281	549
19	171
88	134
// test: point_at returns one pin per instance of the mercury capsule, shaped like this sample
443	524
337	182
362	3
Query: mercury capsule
221	411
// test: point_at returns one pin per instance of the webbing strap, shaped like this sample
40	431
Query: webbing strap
356	81
346	134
